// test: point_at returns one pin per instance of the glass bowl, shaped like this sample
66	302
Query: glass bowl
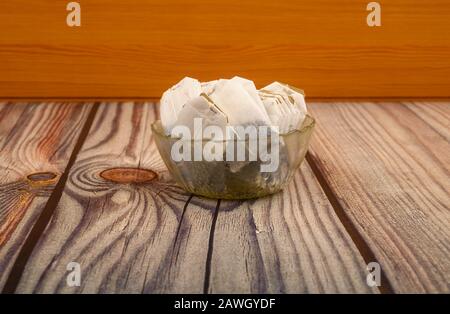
235	179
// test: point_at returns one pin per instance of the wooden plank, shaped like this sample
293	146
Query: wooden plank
292	242
36	141
149	236
388	165
122	218
435	114
138	48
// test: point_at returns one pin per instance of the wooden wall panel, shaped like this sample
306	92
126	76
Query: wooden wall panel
137	48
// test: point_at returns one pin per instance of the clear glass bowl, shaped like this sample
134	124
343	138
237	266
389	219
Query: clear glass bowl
235	179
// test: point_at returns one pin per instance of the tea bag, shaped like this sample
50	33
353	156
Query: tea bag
278	111
238	100
253	92
201	107
209	87
285	105
173	100
229	104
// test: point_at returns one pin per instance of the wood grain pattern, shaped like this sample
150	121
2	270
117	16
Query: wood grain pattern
128	234
150	236
133	230
138	48
389	164
36	141
435	114
292	242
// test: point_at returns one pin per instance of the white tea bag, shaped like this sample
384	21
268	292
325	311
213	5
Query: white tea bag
277	110
209	87
174	98
253	92
234	102
238	105
201	107
290	99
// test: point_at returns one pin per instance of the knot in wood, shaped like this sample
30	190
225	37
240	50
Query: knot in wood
39	179
128	175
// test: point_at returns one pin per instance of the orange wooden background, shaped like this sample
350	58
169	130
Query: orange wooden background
137	48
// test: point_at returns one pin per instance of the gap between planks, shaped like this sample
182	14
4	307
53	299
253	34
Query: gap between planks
358	240
388	164
44	218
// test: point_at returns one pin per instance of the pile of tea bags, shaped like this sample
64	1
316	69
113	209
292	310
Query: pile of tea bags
232	102
228	103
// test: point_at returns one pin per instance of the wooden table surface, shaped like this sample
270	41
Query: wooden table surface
373	188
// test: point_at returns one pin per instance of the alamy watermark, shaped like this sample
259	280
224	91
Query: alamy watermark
232	143
373	278
74	16
73	279
374	17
